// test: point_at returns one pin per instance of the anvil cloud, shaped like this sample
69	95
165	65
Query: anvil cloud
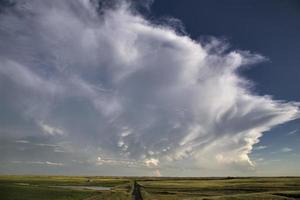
119	89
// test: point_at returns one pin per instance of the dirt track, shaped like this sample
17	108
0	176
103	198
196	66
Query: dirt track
136	192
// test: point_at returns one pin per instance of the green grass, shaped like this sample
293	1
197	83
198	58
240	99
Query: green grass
236	188
39	187
20	192
66	180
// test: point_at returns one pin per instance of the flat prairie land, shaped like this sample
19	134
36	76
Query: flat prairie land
221	188
120	188
56	188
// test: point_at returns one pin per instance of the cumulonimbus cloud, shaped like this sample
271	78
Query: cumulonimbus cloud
127	88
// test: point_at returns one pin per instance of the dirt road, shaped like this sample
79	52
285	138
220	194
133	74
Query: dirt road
136	192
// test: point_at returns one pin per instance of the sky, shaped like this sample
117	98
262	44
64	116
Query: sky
150	88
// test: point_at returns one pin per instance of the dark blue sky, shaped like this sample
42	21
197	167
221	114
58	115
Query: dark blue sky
270	28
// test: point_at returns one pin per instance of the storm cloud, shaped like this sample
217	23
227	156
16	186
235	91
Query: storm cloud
109	87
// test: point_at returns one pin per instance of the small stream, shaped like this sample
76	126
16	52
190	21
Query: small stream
83	187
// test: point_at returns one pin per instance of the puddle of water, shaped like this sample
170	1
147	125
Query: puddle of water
83	187
22	184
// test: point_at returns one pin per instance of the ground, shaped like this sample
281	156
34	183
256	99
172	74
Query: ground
41	187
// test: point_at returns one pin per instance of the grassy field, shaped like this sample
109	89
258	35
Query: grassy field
41	187
228	188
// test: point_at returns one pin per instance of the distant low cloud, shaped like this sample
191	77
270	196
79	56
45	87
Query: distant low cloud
115	85
22	141
48	163
151	162
260	147
286	150
293	132
260	160
47	129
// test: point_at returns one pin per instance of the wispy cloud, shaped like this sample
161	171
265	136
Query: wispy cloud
260	160
22	141
48	163
293	132
156	173
151	162
286	150
260	147
50	130
275	160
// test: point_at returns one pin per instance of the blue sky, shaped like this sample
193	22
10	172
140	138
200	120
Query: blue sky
270	28
197	88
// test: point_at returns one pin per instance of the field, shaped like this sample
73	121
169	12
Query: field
43	187
46	188
226	188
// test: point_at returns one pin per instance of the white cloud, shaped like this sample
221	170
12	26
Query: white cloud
135	89
52	163
50	130
116	162
157	173
151	162
39	163
260	147
22	141
294	132
286	150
